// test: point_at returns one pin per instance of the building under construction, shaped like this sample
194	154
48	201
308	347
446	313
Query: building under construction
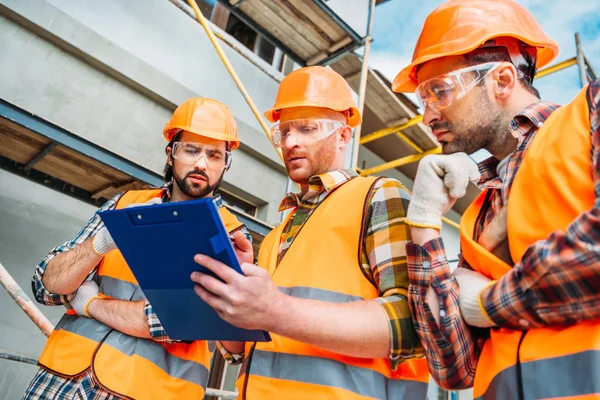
87	86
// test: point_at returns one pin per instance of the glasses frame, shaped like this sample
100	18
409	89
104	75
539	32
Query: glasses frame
276	135
456	81
202	154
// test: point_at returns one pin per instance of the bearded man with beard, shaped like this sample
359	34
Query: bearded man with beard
331	280
110	343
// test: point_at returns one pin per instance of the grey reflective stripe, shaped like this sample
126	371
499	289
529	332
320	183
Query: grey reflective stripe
332	373
154	352
82	326
304	292
176	367
119	289
572	375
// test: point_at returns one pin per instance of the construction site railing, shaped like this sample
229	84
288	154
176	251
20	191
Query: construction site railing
20	297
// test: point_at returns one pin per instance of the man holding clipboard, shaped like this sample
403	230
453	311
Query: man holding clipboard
332	280
110	343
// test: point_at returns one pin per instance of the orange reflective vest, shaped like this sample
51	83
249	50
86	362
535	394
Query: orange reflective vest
127	366
324	263
552	188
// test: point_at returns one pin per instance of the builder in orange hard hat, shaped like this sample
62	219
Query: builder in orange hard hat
110	343
519	317
332	281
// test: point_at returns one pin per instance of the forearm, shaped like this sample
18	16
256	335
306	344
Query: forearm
66	271
357	329
420	236
451	346
124	316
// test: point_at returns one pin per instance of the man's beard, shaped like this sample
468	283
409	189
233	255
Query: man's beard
319	158
491	126
194	190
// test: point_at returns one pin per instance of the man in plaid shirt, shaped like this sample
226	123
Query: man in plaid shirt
69	276
331	280
480	97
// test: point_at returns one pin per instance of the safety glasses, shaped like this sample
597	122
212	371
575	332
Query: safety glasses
190	153
441	91
304	131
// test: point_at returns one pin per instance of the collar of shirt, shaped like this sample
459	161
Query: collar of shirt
317	185
522	126
168	188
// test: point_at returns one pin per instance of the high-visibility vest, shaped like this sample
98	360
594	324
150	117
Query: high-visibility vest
552	188
127	366
324	263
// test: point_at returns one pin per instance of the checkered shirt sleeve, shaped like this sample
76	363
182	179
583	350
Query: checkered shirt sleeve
42	295
452	348
384	260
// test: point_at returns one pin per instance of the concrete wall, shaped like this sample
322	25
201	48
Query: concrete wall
113	71
33	220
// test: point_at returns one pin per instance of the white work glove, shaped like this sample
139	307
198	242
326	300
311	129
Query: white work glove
440	180
471	284
87	292
103	243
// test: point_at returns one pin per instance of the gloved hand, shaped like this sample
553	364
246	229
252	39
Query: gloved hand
87	292
440	180
471	284
103	243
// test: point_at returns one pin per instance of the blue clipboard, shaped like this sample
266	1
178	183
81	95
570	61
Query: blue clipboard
159	243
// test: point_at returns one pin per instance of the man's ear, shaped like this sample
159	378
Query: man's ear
344	137
170	156
505	78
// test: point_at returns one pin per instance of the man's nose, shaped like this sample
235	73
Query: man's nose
289	142
431	116
201	163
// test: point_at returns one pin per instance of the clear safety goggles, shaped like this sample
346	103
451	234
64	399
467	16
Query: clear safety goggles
304	131
439	92
191	152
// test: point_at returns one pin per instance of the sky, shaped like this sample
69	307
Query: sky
397	24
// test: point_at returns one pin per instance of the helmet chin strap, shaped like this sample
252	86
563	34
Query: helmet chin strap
515	50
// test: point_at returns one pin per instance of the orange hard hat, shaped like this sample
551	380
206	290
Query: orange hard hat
315	87
204	117
460	26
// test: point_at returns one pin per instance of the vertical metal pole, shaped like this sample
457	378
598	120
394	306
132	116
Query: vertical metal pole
362	87
580	61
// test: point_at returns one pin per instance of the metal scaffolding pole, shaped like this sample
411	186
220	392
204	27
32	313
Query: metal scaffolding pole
400	162
388	131
21	298
556	67
362	87
580	61
229	68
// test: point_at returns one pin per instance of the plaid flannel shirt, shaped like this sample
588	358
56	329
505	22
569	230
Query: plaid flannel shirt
45	386
43	296
555	283
383	256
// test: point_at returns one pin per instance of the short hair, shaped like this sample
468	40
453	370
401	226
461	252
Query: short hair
490	53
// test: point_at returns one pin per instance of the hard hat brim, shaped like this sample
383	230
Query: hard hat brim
352	113
404	81
170	130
